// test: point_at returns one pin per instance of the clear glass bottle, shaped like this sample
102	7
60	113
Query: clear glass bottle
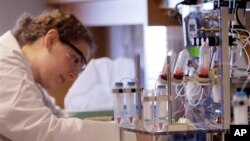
161	107
204	61
132	104
119	103
181	64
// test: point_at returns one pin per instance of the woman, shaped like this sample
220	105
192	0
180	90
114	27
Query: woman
41	52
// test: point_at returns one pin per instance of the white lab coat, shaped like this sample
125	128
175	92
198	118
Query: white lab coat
23	113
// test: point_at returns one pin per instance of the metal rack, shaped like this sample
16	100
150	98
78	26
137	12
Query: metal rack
156	135
228	83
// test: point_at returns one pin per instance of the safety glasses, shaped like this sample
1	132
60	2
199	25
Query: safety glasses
79	64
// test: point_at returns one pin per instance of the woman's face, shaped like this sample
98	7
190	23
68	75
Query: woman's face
62	63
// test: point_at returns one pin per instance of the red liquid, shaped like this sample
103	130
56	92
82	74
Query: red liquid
118	119
130	119
160	125
178	75
203	73
218	120
164	76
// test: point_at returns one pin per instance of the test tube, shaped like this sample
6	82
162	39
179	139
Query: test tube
132	104
204	61
148	110
118	103
181	64
161	107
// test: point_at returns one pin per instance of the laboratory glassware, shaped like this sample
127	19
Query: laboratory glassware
164	72
119	106
132	104
181	64
149	110
161	107
204	61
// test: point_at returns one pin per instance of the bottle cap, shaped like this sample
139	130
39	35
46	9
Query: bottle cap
118	84
161	86
241	94
131	83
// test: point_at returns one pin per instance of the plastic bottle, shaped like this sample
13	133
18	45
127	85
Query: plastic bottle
204	61
240	108
132	104
181	64
161	107
148	110
164	72
119	103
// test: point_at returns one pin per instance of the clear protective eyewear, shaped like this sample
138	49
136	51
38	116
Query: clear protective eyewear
75	62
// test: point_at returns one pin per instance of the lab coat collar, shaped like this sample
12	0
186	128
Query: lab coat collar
10	41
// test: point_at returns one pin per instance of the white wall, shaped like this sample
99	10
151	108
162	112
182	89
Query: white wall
10	10
107	12
125	41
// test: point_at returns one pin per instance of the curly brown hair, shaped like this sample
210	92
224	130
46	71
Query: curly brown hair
29	29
